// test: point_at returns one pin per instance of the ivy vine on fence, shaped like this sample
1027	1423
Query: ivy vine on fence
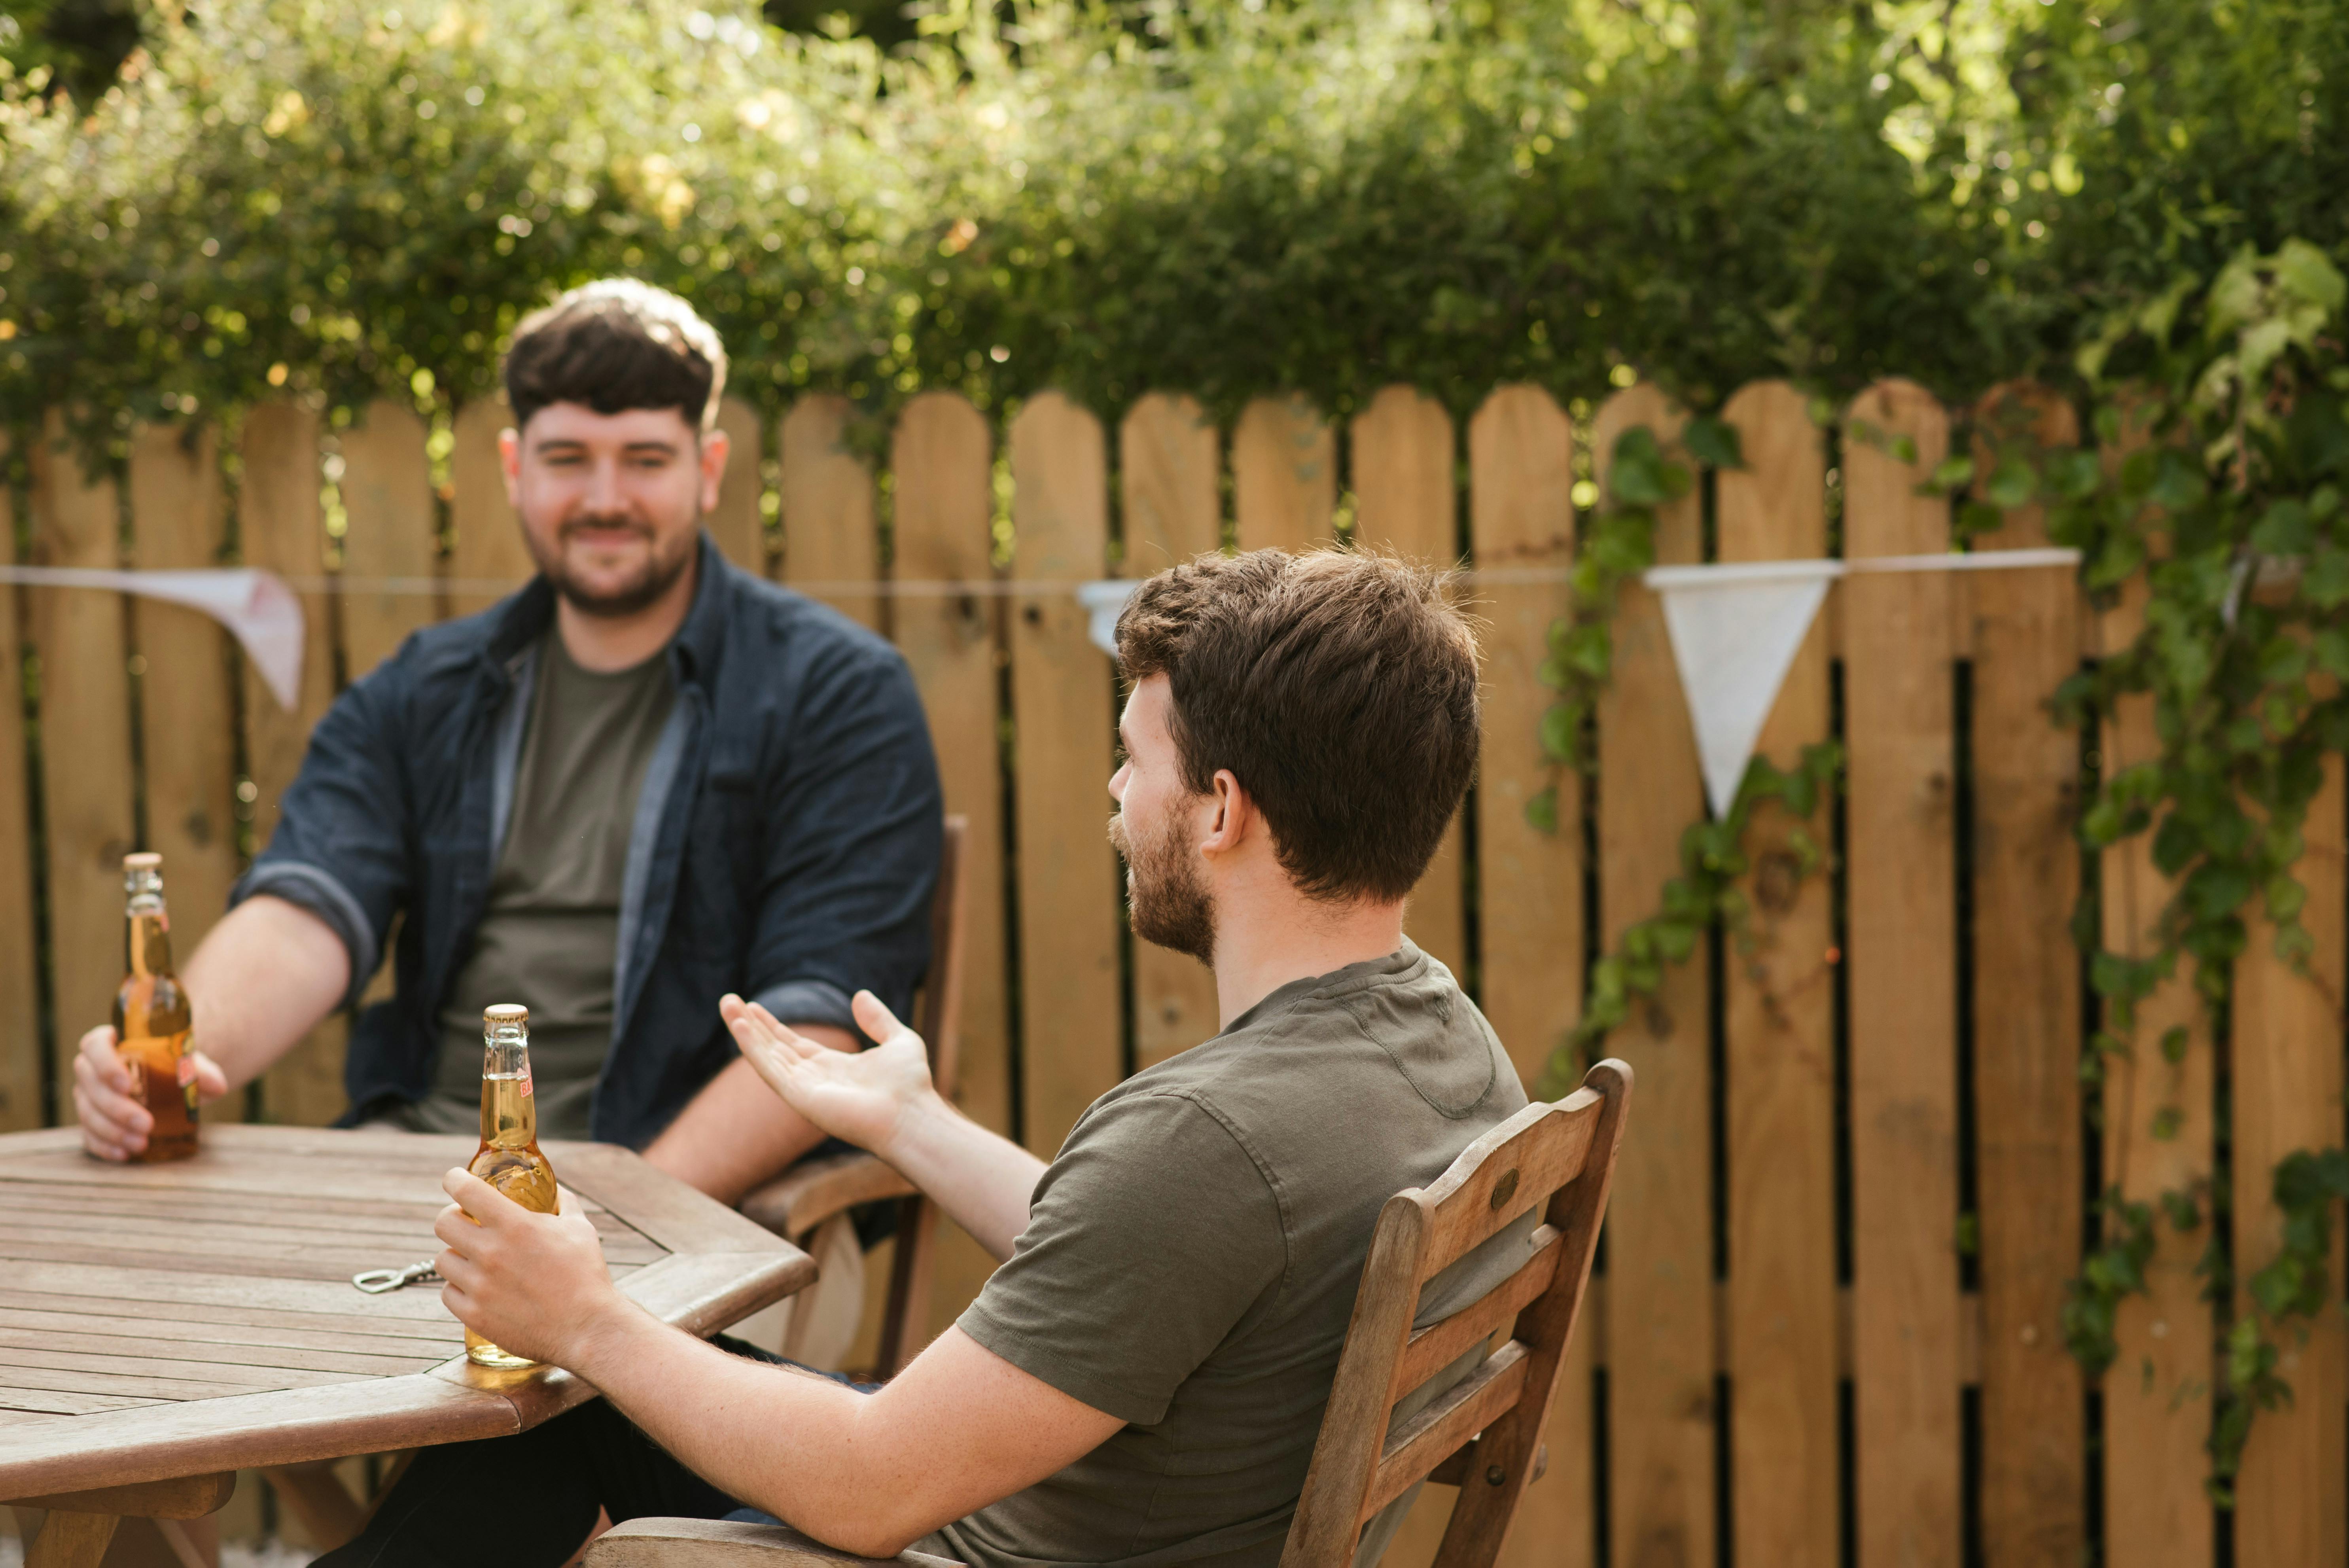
2221	455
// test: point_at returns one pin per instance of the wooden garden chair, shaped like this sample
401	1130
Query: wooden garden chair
1482	1435
796	1203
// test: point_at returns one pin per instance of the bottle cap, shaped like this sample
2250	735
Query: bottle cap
146	860
505	1013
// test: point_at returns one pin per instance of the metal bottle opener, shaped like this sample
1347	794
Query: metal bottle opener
375	1282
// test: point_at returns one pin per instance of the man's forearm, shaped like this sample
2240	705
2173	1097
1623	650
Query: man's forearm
736	1134
261	979
982	1179
871	1474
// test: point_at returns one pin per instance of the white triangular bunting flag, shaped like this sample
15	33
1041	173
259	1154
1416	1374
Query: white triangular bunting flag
256	607
1736	630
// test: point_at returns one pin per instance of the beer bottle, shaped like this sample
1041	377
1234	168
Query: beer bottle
508	1159
151	1018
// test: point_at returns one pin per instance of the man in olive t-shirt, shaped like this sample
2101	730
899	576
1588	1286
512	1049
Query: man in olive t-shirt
1143	1381
1191	1257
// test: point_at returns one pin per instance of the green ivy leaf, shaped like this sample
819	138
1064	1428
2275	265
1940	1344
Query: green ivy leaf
1561	734
1951	474
2287	529
1541	811
2012	483
1714	442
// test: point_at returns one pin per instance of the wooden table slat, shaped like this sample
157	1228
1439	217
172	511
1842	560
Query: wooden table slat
53	1402
149	1376
346	1217
142	1386
355	1330
198	1356
239	1243
318	1268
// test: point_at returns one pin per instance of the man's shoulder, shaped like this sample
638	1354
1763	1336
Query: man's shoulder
813	631
435	660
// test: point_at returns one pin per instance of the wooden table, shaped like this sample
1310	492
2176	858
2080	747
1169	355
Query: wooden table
163	1327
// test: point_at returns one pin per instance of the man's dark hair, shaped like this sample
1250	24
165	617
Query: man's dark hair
612	345
1339	686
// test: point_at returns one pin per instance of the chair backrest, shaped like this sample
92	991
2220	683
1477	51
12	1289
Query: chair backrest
1559	1157
937	1018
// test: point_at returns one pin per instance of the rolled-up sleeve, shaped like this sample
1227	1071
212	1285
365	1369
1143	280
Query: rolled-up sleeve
339	848
854	815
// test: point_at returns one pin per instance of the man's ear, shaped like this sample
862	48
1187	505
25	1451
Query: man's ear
510	464
715	444
1235	814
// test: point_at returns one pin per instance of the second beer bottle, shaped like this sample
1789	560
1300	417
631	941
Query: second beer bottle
509	1159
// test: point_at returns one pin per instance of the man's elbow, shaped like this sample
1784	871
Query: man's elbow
861	1530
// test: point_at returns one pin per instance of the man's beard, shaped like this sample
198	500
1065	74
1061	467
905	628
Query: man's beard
657	577
1170	901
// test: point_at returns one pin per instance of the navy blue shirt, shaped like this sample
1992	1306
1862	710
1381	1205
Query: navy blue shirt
785	844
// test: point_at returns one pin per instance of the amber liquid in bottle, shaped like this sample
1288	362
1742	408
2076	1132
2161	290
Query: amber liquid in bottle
508	1159
152	1017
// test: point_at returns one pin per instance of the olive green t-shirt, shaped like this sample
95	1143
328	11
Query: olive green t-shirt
1192	1256
550	937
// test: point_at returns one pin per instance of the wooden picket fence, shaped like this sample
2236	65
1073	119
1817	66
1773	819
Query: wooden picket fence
1859	1173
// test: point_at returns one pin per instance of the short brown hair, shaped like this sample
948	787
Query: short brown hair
1339	686
612	345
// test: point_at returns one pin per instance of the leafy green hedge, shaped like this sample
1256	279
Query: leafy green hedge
357	197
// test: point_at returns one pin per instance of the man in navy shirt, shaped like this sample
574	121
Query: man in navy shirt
645	781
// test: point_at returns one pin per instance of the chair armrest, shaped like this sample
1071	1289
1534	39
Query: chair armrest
718	1543
814	1191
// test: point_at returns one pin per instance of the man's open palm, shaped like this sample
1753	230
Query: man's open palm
859	1096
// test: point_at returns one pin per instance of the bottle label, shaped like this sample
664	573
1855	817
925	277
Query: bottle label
525	1079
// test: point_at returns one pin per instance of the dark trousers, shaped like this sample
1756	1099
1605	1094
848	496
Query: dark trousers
528	1501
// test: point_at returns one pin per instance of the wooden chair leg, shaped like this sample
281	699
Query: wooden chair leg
909	1285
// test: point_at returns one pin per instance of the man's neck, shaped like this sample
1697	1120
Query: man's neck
1262	946
607	643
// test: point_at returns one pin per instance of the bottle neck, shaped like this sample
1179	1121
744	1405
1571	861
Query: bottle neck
509	1108
149	937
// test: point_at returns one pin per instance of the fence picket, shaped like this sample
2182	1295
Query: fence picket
736	522
187	707
2026	1013
1660	1319
1898	693
1169	480
1530	882
20	1025
488	546
2156	1406
2287	1094
829	534
279	529
943	456
1062	716
392	533
1284	476
1406	497
1779	1056
85	777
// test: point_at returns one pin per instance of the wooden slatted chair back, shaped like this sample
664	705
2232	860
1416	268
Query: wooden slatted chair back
938	1021
1485	1432
939	1017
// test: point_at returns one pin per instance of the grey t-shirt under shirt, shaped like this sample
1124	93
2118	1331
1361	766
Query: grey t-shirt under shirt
550	937
1192	1256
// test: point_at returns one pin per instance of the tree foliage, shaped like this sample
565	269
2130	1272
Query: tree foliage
351	196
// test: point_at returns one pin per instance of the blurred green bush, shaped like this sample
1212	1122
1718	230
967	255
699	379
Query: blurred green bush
354	197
